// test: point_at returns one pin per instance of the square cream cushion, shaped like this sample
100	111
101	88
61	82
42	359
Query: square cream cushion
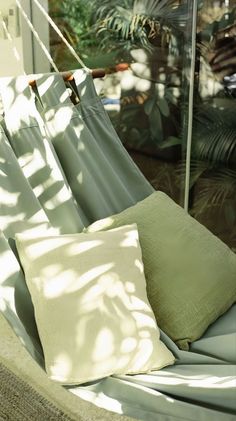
91	306
190	273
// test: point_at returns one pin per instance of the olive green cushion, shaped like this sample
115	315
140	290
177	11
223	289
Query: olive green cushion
190	273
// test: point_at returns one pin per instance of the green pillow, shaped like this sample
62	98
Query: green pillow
190	273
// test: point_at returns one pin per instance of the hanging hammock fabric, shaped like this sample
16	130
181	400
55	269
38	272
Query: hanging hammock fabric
36	156
20	211
96	119
89	149
63	176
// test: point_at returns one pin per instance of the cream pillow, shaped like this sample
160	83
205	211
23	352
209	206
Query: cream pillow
91	306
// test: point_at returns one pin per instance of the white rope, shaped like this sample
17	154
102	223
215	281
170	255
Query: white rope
36	35
9	37
58	31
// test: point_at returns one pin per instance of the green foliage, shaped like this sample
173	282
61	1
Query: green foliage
74	19
216	191
214	133
135	23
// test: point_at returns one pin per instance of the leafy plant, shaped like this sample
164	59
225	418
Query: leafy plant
135	23
214	133
73	18
215	191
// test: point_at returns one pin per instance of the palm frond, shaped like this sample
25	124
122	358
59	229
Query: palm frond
214	134
214	191
152	7
139	22
197	169
168	11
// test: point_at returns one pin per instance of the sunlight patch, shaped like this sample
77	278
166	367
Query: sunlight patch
8	297
44	246
100	225
214	382
7	221
8	93
80	177
143	320
78	248
128	327
130	287
32	163
111	285
104	345
65	282
8	198
44	86
62	365
131	239
62	118
128	82
141	357
139	54
94	273
128	345
139	265
9	265
51	270
143	85
64	96
100	400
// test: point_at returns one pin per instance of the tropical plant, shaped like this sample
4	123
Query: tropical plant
214	133
153	26
73	17
151	119
137	22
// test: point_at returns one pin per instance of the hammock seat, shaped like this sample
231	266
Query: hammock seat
62	166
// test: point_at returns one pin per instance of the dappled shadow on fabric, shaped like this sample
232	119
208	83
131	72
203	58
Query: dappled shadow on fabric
102	176
15	301
36	155
91	307
19	208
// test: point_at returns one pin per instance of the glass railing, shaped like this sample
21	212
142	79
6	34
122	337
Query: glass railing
150	104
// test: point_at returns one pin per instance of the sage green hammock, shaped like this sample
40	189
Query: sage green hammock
63	166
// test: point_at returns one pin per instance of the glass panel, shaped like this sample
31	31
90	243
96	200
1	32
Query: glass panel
147	102
213	165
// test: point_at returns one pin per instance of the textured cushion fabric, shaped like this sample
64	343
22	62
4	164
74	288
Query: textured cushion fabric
91	306
190	273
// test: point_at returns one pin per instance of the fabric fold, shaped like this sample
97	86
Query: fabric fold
36	156
98	186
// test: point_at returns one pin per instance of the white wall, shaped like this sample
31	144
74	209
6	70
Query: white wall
9	66
31	58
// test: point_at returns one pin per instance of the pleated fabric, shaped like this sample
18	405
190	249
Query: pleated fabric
36	157
103	178
96	119
20	211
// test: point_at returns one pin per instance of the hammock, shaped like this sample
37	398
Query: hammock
62	180
62	166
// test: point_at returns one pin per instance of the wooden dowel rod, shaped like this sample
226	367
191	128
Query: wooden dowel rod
96	73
